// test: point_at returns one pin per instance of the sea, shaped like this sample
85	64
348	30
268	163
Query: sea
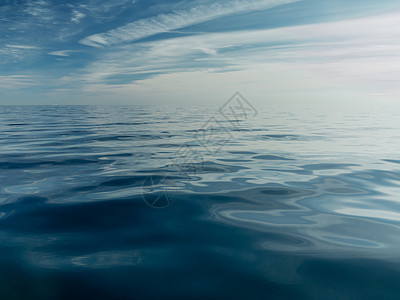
232	201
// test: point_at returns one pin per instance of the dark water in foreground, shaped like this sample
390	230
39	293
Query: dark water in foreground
297	204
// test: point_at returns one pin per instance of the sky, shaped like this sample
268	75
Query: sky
198	51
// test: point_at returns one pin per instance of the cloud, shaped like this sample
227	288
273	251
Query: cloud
178	19
358	54
41	10
14	53
105	9
77	16
368	37
16	81
22	47
63	53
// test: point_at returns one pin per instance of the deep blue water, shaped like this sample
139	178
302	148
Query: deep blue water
102	202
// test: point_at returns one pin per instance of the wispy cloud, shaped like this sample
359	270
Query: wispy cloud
14	52
105	9
178	19
77	16
41	10
22	47
63	53
16	81
359	52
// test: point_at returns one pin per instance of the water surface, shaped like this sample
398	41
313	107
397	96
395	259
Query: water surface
297	203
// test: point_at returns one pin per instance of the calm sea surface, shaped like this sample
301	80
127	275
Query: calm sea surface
131	202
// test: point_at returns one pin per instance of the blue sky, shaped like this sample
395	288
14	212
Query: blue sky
200	51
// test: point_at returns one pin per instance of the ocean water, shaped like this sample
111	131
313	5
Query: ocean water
136	202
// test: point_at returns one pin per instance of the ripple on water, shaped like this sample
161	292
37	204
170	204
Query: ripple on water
285	210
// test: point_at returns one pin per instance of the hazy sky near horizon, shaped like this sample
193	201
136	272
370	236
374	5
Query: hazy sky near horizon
199	51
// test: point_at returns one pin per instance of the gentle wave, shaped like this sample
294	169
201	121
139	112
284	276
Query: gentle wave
102	199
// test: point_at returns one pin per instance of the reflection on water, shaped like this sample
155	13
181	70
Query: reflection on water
302	203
